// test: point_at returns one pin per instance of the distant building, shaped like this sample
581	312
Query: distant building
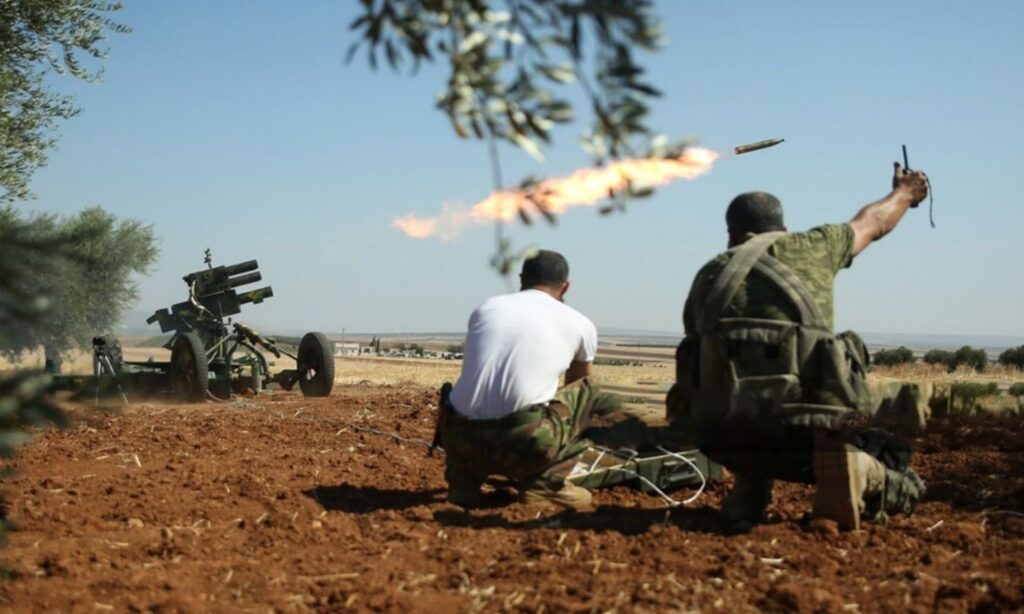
346	349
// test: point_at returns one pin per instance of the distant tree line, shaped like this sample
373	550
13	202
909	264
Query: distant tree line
1013	356
413	348
890	357
966	356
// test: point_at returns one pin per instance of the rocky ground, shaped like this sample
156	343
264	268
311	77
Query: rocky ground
282	503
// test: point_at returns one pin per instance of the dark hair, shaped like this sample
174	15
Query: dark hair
754	212
545	268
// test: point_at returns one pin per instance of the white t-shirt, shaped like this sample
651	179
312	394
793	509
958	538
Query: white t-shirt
517	348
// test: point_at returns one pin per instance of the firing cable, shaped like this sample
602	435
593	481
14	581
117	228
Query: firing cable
632	454
629	454
216	398
703	478
367	429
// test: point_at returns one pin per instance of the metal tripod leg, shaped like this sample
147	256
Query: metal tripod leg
105	365
97	368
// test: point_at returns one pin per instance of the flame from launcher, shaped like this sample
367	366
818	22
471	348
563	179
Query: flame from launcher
584	188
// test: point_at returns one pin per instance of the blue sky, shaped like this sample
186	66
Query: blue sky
237	126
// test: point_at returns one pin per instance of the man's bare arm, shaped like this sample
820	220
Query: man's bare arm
878	219
577	370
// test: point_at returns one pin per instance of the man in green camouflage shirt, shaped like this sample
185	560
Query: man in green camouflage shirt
759	446
815	256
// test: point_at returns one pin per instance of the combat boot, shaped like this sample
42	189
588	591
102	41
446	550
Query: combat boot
567	495
900	495
843	474
464	495
463	488
748	500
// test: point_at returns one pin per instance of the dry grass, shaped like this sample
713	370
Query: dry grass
940	375
395	371
390	371
433	372
644	382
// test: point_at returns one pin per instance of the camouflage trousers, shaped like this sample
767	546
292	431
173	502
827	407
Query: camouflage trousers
767	448
537	443
760	452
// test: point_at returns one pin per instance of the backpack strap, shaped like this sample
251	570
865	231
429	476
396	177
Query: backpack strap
753	255
741	260
794	288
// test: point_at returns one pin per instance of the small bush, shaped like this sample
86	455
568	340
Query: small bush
968	393
939	357
966	356
1013	357
899	356
1017	390
977	359
614	362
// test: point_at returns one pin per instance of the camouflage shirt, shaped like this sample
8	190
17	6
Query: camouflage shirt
815	256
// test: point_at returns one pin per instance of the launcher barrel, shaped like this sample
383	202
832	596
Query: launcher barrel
241	280
241	267
255	296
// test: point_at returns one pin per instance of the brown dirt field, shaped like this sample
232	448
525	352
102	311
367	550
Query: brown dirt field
277	504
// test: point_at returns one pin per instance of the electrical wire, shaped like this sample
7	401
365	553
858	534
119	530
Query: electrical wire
422	442
632	454
703	478
624	453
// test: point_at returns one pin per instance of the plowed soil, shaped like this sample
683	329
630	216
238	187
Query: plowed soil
279	503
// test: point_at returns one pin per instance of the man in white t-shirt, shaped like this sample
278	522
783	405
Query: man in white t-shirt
507	415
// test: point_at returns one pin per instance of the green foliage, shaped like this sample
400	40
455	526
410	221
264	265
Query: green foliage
614	362
510	61
511	64
37	36
1013	357
40	296
938	357
890	357
965	395
974	389
974	358
87	291
455	348
1017	389
966	355
23	400
24	403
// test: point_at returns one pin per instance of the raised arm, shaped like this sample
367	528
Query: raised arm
878	219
